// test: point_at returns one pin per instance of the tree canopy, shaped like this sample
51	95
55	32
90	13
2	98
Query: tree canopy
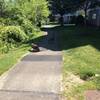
20	20
62	6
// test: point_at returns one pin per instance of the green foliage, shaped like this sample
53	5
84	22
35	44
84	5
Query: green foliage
27	26
1	26
81	54
80	20
73	20
0	43
97	82
34	10
2	7
61	6
12	57
14	12
12	34
87	74
19	20
7	21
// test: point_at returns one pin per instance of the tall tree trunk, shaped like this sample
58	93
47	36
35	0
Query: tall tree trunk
87	5
86	16
61	20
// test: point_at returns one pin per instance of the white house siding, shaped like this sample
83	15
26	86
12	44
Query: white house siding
94	17
67	18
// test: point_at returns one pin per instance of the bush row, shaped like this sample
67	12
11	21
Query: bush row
19	20
11	36
15	31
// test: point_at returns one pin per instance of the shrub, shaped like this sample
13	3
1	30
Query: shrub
12	34
80	20
86	74
97	82
2	21
1	27
0	43
2	8
27	26
73	20
8	21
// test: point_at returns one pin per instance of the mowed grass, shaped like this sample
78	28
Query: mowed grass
12	57
81	57
8	60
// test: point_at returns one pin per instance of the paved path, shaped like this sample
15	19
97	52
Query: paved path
37	76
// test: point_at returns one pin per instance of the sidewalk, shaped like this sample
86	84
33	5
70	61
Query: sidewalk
36	77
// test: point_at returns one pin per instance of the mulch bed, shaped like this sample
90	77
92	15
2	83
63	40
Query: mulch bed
92	95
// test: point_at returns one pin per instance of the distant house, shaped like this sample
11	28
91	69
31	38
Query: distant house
57	17
67	18
94	16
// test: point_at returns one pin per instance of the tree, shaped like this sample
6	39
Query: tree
2	7
34	10
39	11
62	6
88	4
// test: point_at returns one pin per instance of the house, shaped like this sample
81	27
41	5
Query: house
57	17
94	16
67	18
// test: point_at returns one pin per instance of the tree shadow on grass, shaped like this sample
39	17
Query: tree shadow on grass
72	37
48	41
68	37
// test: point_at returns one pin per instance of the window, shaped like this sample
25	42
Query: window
94	16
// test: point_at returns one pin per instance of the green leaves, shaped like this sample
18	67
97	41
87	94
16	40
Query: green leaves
19	19
34	10
12	34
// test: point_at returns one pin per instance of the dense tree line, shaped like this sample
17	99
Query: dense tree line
66	6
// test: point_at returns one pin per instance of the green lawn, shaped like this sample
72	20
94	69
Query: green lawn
7	60
81	55
81	58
